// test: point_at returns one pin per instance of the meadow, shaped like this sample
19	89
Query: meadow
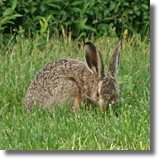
126	127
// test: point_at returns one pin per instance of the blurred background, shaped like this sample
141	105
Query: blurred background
73	18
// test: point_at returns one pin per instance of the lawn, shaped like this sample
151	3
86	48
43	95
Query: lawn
125	128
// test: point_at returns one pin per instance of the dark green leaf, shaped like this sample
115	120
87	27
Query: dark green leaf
92	3
95	21
84	21
7	11
14	4
144	6
77	3
135	8
26	10
126	4
17	15
112	5
107	18
54	5
43	7
75	9
33	9
138	13
81	26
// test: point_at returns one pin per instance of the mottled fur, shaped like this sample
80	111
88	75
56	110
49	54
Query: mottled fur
72	81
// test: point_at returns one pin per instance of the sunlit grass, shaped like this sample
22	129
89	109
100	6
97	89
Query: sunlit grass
128	129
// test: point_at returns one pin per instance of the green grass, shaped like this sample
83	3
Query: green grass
92	130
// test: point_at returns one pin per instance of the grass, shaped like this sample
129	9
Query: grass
41	130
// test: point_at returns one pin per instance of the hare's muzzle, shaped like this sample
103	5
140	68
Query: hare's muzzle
114	96
102	101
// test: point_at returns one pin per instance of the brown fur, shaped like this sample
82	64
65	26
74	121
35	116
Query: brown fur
71	81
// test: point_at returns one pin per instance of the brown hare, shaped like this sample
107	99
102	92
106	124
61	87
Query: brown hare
76	82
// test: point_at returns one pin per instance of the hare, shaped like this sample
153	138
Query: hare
76	82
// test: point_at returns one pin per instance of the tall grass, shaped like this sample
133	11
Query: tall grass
129	129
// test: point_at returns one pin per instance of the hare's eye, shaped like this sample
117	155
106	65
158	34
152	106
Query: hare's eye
97	94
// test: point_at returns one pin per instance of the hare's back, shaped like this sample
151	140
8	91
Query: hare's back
56	71
53	78
61	68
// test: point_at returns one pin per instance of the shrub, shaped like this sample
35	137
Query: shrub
80	17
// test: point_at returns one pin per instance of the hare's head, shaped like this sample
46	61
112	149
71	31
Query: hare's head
106	88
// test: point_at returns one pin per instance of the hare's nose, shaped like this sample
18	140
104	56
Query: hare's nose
114	96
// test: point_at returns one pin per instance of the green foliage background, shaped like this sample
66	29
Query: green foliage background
79	18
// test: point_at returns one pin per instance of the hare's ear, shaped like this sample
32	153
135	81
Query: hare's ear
114	61
94	60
